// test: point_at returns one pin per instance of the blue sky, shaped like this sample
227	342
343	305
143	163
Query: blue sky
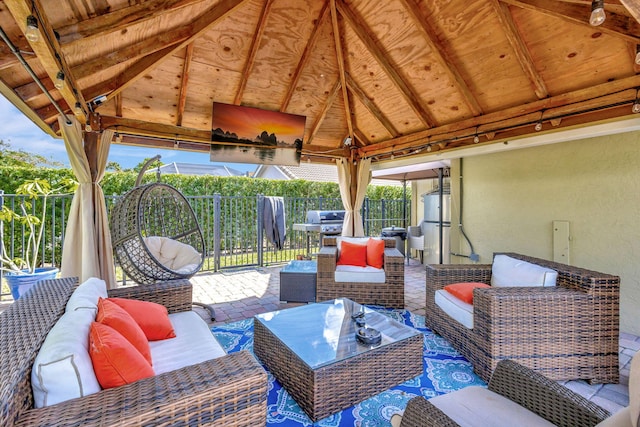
23	134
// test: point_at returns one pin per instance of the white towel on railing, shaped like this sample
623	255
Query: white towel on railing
274	221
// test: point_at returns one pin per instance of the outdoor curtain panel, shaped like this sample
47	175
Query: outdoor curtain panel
87	250
352	225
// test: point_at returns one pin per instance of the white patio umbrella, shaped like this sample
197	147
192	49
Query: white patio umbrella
87	250
352	225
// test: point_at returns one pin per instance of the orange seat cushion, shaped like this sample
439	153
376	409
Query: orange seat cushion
152	318
352	254
375	253
115	360
111	314
464	291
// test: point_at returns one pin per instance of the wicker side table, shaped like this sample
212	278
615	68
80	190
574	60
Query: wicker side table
298	281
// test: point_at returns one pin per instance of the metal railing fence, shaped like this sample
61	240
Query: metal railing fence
231	225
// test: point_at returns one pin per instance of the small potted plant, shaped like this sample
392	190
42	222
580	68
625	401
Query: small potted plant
23	273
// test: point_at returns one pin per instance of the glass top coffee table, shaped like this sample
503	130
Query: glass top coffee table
313	352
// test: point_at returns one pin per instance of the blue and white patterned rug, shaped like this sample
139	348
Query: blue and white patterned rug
445	370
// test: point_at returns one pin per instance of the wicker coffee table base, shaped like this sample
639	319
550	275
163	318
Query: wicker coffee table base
332	388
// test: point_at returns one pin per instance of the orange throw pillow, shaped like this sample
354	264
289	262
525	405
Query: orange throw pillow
152	318
115	360
111	314
464	291
352	254
375	253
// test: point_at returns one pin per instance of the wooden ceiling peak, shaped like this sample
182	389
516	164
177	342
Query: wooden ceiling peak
394	76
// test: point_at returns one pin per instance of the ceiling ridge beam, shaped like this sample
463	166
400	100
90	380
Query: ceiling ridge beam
306	55
48	50
370	105
340	58
376	51
522	53
118	20
325	109
184	83
616	25
253	51
532	108
144	65
442	57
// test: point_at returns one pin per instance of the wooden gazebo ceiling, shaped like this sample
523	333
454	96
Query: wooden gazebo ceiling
397	76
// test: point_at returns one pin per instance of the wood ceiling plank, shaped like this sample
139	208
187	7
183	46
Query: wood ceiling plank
119	20
371	106
47	48
306	55
340	56
520	50
253	51
139	68
373	46
442	57
182	96
616	25
633	6
323	113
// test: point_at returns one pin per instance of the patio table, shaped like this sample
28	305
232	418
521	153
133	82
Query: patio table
313	352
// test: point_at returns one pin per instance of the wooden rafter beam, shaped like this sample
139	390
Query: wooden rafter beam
442	57
253	51
48	50
94	28
616	24
520	50
633	6
182	96
371	106
341	71
135	51
572	103
304	59
373	46
323	113
143	66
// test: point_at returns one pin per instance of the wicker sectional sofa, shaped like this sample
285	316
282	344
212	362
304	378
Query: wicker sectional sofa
568	331
229	390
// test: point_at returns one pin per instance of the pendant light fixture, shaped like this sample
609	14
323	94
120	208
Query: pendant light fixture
59	83
597	13
637	58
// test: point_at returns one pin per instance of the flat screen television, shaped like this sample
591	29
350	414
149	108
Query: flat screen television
252	135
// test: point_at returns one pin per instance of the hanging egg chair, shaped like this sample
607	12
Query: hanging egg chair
155	234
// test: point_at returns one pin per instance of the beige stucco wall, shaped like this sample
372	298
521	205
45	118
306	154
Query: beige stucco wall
511	199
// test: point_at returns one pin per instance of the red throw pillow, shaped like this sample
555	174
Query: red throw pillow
375	253
111	314
464	291
153	318
115	360
352	254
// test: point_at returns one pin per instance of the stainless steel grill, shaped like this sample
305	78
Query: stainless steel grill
325	222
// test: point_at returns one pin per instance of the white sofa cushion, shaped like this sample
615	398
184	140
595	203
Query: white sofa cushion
507	271
455	308
477	406
87	294
62	369
353	273
194	343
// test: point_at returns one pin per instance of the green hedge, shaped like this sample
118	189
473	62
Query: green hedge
115	183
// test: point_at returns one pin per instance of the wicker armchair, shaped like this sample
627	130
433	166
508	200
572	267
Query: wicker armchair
529	389
569	331
388	294
230	390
